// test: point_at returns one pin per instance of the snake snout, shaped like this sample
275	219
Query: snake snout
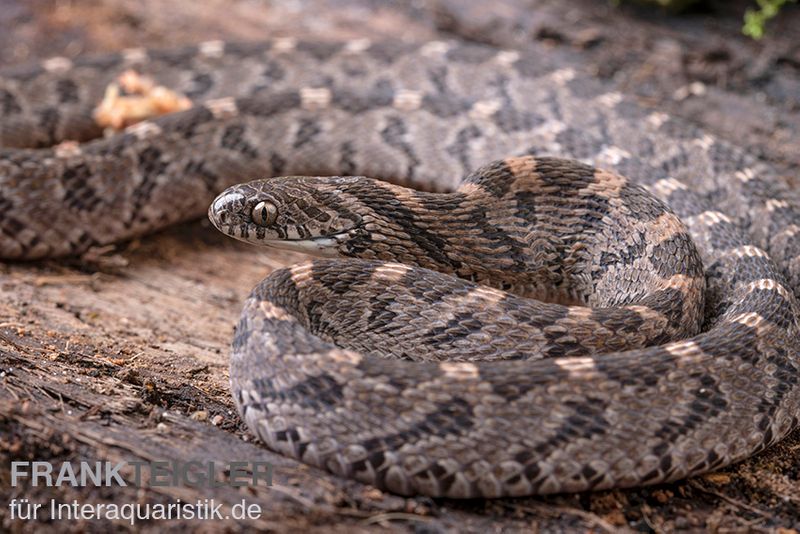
227	209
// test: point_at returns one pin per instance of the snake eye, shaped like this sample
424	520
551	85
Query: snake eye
264	213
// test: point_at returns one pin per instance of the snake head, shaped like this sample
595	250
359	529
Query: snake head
306	214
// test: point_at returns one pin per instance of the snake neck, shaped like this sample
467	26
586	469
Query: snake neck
467	233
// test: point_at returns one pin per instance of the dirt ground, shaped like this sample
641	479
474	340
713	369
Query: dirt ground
129	362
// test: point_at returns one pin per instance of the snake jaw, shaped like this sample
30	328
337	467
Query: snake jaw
323	246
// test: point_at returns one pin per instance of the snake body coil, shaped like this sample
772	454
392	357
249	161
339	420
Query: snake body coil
508	396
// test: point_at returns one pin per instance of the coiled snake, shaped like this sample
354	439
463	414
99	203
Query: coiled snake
386	367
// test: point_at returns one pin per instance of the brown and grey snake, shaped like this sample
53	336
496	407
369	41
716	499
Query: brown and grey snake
421	364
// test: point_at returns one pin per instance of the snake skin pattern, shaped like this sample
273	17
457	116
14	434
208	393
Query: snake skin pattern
320	368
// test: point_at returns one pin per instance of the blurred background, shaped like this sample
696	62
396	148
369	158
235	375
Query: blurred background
690	58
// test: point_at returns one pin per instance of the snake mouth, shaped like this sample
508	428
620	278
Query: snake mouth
325	246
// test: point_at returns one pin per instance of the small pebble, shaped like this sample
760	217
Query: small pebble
199	415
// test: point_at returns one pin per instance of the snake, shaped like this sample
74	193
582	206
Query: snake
528	283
